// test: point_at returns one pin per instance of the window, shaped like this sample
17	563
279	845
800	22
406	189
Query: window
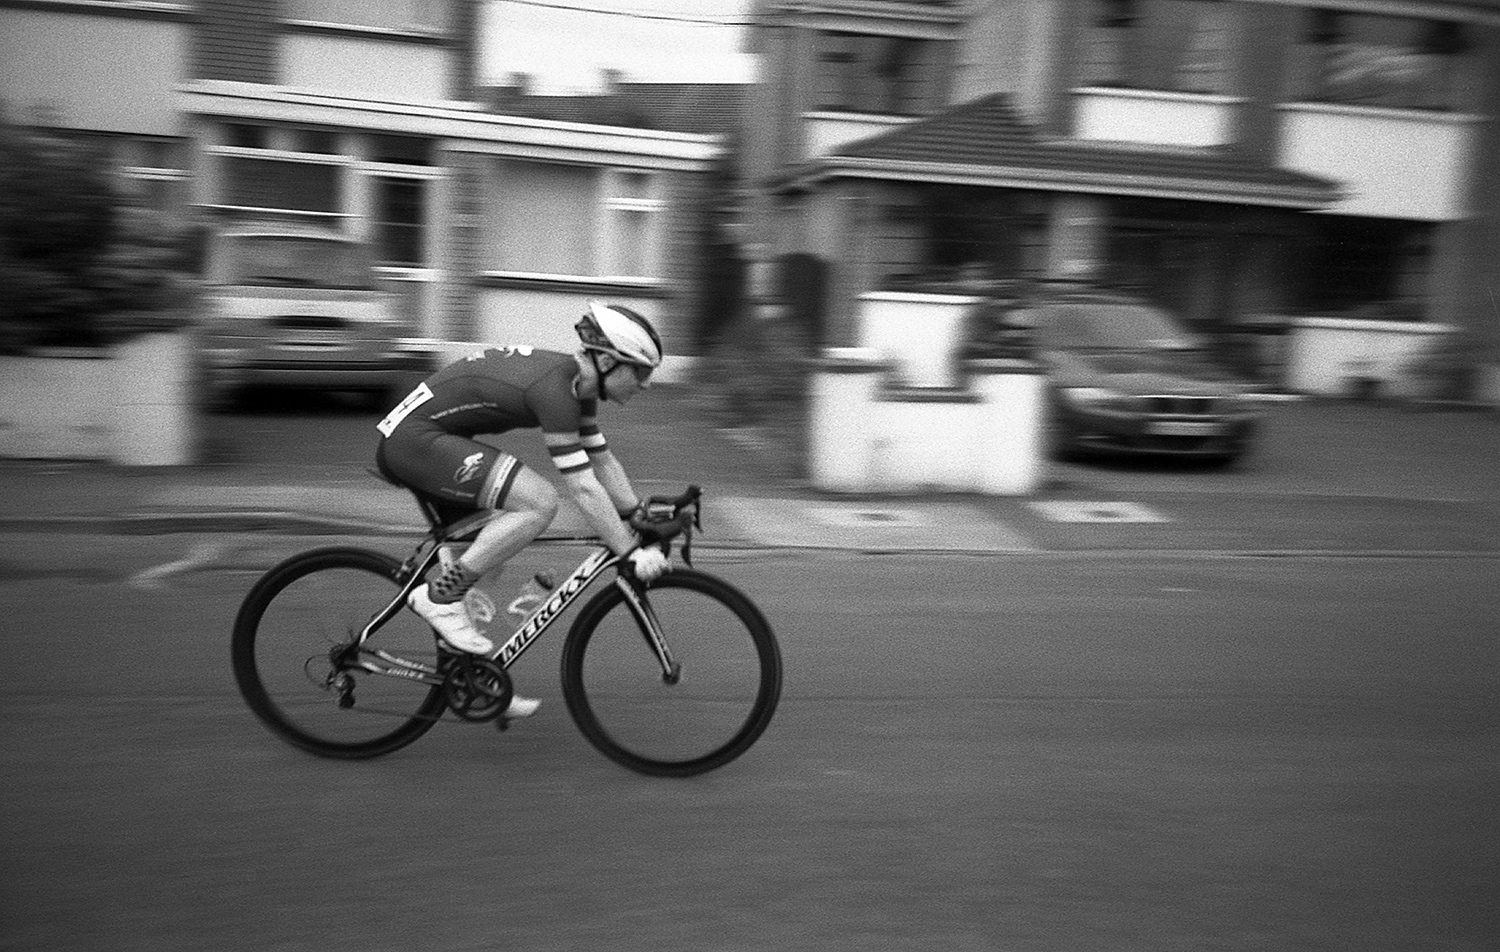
399	222
557	219
1175	45
401	150
1367	59
878	74
1105	43
1204	66
970	229
245	136
837	85
293	261
151	173
281	184
626	237
1361	265
319	141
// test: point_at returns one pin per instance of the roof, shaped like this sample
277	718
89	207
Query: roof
694	108
987	142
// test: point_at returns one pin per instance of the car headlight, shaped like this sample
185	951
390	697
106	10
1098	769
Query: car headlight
1097	397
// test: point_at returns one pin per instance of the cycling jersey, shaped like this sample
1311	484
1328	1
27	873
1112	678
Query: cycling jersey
428	438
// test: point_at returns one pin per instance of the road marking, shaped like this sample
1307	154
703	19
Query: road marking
863	518
1079	511
917	526
204	553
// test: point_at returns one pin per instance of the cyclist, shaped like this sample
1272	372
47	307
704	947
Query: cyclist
428	445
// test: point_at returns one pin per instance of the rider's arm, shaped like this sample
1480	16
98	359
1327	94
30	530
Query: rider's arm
606	465
611	476
586	491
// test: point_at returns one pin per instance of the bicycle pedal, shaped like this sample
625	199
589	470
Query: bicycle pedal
502	723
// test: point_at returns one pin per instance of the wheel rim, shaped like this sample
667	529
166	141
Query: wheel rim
297	632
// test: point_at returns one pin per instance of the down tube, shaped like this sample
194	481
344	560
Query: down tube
556	603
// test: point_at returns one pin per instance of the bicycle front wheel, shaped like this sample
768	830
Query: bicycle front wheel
288	640
727	685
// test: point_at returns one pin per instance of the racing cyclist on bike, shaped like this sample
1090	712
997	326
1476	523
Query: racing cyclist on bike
428	445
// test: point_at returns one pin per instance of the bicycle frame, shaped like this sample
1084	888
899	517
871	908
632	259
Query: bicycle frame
540	619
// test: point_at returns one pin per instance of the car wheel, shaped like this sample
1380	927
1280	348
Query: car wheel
1237	458
1057	440
222	399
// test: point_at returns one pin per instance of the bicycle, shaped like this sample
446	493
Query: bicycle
672	679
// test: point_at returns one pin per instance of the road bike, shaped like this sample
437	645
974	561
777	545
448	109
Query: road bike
674	678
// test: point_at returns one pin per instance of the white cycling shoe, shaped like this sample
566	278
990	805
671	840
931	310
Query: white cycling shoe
521	707
451	621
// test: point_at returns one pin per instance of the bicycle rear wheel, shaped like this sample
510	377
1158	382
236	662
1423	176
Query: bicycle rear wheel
730	677
291	628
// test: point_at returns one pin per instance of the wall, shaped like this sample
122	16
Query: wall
545	318
134	404
1328	355
984	436
917	333
387	71
1179	120
57	60
1392	163
903	413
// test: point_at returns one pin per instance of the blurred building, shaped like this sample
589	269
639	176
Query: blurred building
1232	159
497	220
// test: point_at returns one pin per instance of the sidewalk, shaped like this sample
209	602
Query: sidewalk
1327	478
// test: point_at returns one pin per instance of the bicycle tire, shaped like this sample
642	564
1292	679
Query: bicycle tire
278	656
730	684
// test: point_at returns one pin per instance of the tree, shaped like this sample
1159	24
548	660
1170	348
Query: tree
74	254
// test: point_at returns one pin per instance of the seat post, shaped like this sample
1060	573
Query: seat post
429	511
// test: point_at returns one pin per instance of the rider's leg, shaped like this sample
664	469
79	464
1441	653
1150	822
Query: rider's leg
528	509
529	506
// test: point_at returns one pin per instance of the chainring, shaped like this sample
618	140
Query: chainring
476	689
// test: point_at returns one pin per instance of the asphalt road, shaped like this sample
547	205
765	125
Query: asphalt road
1047	752
1165	745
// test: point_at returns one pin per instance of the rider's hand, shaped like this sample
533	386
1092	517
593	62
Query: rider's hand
648	563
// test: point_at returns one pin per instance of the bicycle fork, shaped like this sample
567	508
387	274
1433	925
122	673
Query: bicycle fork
650	626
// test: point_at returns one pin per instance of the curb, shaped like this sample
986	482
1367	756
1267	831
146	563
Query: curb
267	522
284	523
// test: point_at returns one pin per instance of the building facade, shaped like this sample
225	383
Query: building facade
1235	160
365	115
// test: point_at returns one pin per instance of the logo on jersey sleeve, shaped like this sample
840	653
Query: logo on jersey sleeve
469	468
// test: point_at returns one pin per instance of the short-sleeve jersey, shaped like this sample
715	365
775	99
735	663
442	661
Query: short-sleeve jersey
500	389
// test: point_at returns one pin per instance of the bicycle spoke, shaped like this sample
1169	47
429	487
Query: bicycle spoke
727	678
287	641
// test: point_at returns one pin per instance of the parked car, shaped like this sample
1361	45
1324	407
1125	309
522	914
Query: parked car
1126	377
299	305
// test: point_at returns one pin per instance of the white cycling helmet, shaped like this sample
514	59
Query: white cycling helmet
621	333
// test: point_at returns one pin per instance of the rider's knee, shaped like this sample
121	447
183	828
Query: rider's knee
541	504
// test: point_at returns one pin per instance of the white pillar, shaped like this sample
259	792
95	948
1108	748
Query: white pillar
1011	427
844	417
155	418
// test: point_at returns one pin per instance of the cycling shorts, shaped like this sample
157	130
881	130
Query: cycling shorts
453	471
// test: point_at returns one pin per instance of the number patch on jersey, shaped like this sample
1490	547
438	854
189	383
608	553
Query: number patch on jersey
509	350
403	409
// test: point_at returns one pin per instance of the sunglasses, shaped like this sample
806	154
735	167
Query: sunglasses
642	374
